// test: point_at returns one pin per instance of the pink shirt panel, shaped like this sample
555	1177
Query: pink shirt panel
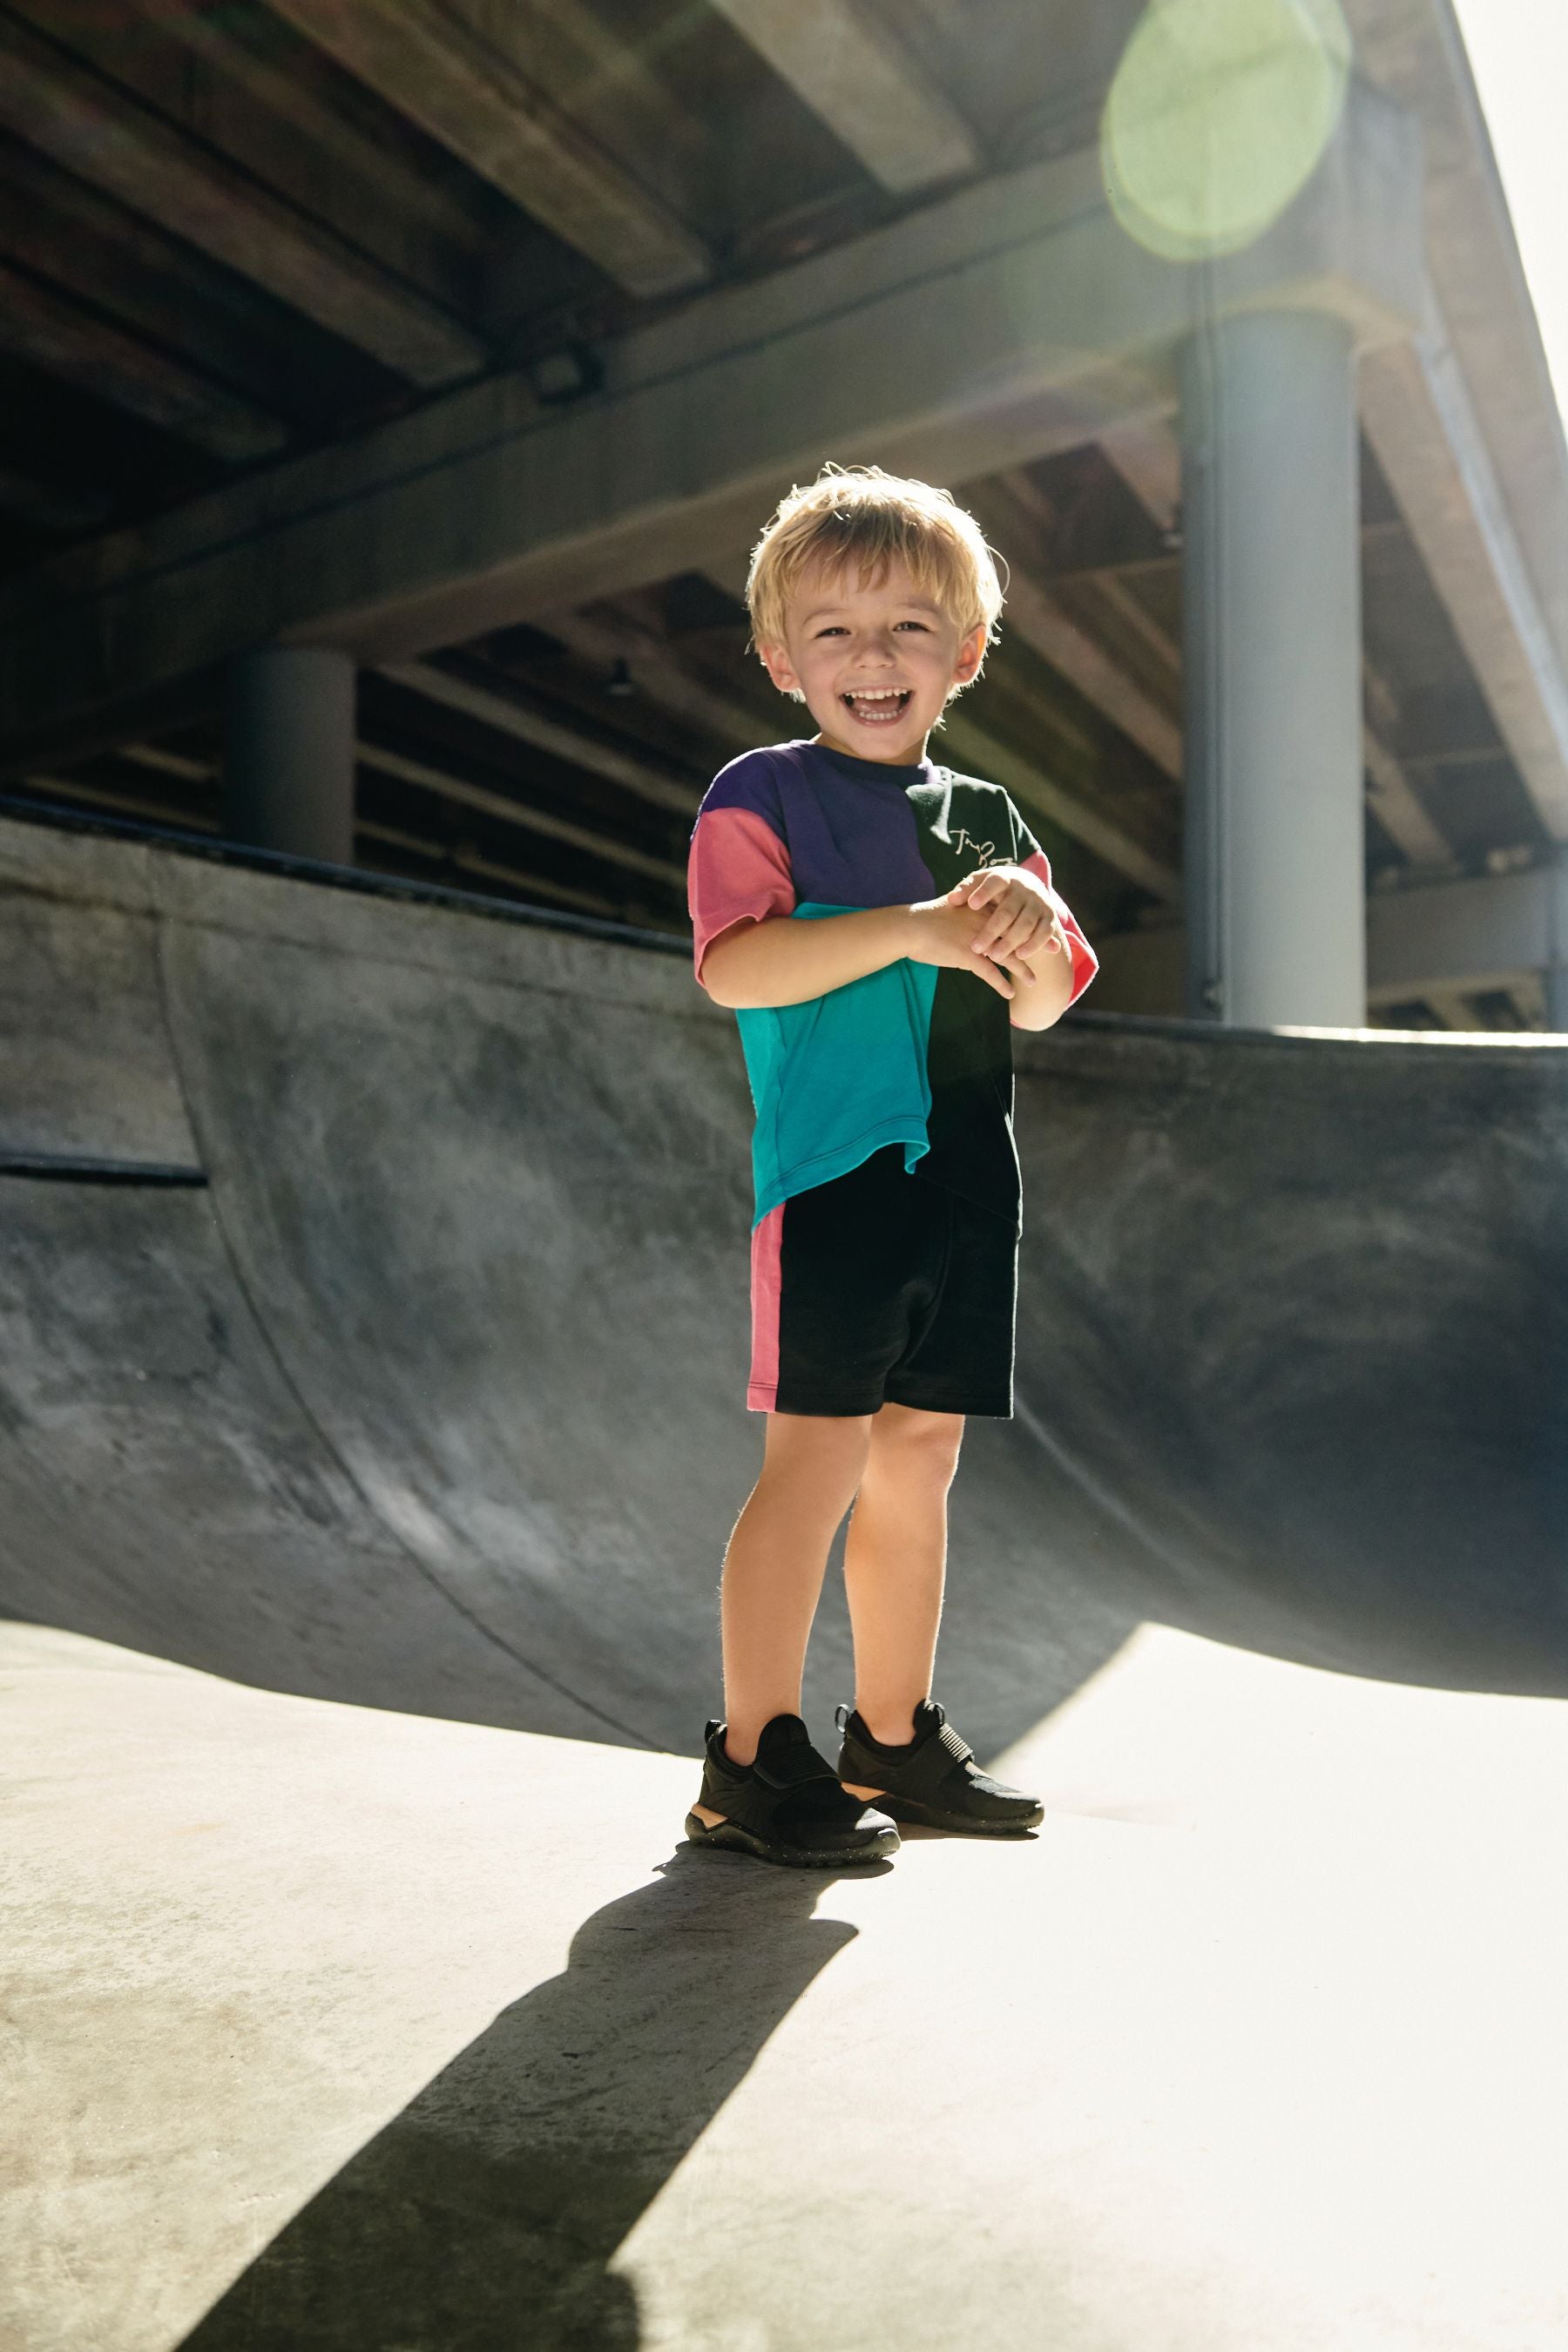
1085	963
739	872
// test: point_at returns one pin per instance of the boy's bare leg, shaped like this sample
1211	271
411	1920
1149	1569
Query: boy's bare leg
895	1563
773	1570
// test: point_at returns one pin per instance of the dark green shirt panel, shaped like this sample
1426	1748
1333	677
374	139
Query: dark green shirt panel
964	823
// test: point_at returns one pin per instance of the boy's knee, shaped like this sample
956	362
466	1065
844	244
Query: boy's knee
922	1444
821	1451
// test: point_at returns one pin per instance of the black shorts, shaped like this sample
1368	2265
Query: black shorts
879	1289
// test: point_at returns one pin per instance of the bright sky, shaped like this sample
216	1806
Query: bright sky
1519	50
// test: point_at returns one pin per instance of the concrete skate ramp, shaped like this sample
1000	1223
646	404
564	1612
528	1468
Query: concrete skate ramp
430	1398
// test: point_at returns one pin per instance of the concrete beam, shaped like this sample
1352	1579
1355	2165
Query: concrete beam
485	508
1416	51
464	858
468	92
459	856
154	756
77	794
613	87
1383	710
45	327
1421	421
284	98
50	503
1044	624
1142	971
606	846
165	293
730	571
168	763
1052	633
544	734
1115	595
978	749
1467	936
456	694
1443	941
655	670
1392	800
53	103
191	68
873	95
1529	1001
1148	457
1453	1009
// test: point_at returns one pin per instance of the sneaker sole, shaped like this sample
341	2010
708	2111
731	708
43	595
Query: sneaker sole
730	1838
927	1817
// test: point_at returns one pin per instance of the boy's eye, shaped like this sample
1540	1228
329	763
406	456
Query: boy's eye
833	629
921	625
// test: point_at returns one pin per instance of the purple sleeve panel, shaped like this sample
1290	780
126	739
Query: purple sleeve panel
750	782
739	872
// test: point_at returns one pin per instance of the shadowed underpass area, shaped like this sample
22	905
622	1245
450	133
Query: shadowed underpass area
362	1513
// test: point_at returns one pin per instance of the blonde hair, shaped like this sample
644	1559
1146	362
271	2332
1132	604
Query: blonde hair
859	516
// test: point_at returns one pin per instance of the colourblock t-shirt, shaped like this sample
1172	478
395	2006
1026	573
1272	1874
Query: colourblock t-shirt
912	1054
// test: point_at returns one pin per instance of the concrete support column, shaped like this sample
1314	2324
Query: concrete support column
289	751
1274	863
1556	973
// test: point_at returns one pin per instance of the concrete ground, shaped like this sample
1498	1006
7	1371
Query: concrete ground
361	1505
344	2028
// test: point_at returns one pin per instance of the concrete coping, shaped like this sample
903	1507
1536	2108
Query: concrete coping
145	870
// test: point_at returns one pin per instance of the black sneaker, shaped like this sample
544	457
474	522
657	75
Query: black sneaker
788	1806
932	1780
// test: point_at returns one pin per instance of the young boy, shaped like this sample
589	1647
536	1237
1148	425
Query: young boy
877	923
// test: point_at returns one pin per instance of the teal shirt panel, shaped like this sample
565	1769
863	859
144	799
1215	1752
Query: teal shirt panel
839	1076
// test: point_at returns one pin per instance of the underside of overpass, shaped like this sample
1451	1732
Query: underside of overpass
331	326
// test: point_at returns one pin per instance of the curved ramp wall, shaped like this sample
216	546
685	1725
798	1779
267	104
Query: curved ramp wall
431	1399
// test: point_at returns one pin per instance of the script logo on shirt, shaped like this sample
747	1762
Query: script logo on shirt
985	851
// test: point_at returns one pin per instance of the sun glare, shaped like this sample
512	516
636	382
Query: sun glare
1218	115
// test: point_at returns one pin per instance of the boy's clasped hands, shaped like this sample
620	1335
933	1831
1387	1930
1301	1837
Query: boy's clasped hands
992	923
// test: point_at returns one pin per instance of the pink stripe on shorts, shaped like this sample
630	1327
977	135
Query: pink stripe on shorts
767	1286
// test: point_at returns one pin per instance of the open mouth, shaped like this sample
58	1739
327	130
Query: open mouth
880	706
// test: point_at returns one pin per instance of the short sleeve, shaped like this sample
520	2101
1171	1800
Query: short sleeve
739	869
1027	852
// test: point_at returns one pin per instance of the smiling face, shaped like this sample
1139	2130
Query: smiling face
875	658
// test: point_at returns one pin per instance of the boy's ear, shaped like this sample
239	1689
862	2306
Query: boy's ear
775	660
971	654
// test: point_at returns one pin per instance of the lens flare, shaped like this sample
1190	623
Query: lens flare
1219	113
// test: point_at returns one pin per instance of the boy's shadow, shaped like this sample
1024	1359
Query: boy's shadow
484	2217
